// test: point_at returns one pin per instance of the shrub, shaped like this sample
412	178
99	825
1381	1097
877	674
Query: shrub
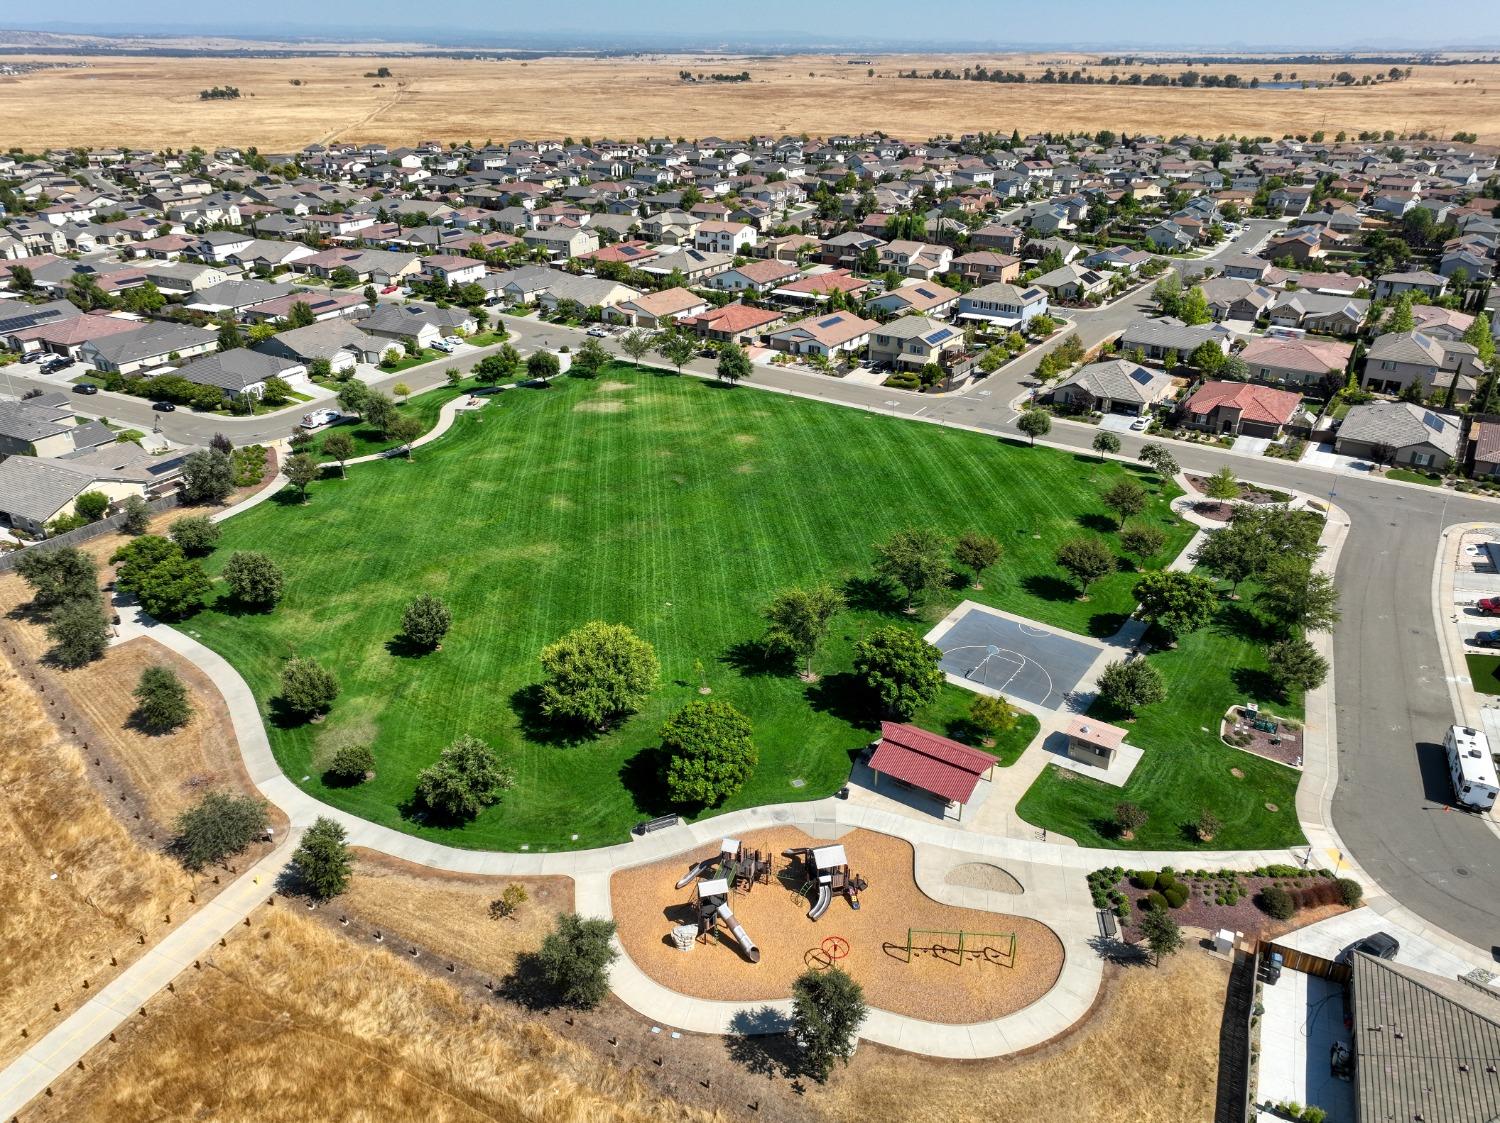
466	778
352	764
161	701
1144	879
196	534
575	957
219	825
1176	896
1351	892
1154	901
1313	1114
1277	902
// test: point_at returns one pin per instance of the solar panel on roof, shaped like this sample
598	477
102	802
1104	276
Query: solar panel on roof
828	323
940	335
1433	422
925	292
1140	376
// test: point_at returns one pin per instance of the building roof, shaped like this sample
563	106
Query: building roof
735	318
935	764
1487	441
667	302
1313	356
23	421
1255	403
1169	332
1425	1046
37	488
1409	347
831	281
235	369
321	303
833	328
1121	381
151	340
79	329
1401	425
1096	733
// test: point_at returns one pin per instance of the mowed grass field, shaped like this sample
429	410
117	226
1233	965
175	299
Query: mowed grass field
151	101
669	504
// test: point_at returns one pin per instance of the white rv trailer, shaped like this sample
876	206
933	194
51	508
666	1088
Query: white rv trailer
1471	768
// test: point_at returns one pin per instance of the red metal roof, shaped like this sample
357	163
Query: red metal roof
935	764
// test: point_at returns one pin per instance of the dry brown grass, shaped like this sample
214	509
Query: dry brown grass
292	1023
448	913
1150	1054
154	101
646	906
76	888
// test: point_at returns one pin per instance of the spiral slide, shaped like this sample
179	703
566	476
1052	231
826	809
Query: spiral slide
752	953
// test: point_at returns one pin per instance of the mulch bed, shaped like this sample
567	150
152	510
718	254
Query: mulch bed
1202	910
1283	746
1248	494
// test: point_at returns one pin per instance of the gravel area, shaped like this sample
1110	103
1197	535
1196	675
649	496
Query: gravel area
647	906
1284	746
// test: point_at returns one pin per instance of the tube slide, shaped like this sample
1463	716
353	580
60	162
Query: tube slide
824	898
698	870
752	953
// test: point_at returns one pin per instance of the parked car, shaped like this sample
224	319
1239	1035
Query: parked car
1486	639
388	290
1140	424
1382	945
319	418
54	362
1488	606
85	388
599	331
163	407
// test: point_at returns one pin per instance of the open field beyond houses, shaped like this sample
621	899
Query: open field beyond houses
151	102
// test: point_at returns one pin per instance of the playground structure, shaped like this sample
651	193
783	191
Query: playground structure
734	869
973	945
826	870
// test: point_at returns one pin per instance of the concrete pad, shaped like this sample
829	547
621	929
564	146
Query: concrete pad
1019	658
1250	446
1304	1016
1126	758
1328	938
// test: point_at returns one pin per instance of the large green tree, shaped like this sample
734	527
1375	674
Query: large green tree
799	619
168	583
307	689
426	621
1294	595
58	575
253	578
900	668
915	560
709	752
597	673
1129	685
574	959
1177	603
828	1007
218	826
466	778
207	476
734	364
322	860
161	700
79	631
1087	559
1294	664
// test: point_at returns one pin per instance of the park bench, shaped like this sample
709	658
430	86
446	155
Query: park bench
656	824
1107	926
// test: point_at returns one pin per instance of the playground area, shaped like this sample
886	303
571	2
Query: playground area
913	955
1026	661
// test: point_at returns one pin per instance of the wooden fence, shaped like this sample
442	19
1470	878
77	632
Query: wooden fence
1306	963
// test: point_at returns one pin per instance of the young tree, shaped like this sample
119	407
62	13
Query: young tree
1232	554
915	560
542	366
1401	316
453	376
79	631
828	1008
254	578
277	391
676	347
1105	442
207	476
1194	307
217	826
1129	818
976	552
352	396
322	858
307	690
734	364
405	430
574	959
58	576
1177	603
1294	664
1035	423
1222	484
1294	595
637	344
339	447
351	764
136	515
799	619
91	505
1127	686
1159	460
161	701
196	535
1087	558
589	359
1208	825
1161	932
709	753
992	715
900	668
511	898
1126	498
426	621
1141	539
596	674
401	390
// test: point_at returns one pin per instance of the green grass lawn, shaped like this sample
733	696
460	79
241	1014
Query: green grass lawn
670	504
1186	768
1411	477
1484	671
424	406
948	714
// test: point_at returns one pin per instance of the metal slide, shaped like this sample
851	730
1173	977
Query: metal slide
698	869
752	953
824	898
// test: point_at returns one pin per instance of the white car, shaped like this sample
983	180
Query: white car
598	331
318	418
1140	424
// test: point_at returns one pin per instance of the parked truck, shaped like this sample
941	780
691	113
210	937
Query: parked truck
1471	768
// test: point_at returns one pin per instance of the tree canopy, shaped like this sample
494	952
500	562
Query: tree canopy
597	673
709	752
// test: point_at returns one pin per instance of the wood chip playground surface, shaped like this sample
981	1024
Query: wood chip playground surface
933	986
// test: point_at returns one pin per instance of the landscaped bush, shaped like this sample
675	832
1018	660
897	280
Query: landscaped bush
1176	896
1144	879
1316	895
1277	902
1155	901
1351	892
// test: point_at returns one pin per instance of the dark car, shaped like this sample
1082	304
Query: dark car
85	388
1382	945
1488	606
163	407
1486	639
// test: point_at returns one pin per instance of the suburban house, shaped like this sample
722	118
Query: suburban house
1159	338
151	345
983	266
912	342
658	309
1397	359
322	305
1429	285
1240	409
1003	305
1400	433
1319	312
1484	445
754	276
1298	362
915	259
695	266
68	335
829	335
338	341
237	294
242	372
31	429
734	323
1072	282
1114	386
818	286
36	490
589	292
724	237
381	267
1234	298
562	242
452	270
421	325
925	297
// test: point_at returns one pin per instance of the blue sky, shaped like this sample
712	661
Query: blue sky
1378	24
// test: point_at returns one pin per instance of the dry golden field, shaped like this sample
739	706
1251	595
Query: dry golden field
153	102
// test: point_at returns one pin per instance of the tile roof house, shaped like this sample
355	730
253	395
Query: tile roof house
658	309
828	334
1114	386
1484	444
926	297
1240	409
1400	433
817	286
734	323
1297	362
755	276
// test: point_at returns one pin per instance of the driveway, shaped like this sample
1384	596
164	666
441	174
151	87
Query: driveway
1323	456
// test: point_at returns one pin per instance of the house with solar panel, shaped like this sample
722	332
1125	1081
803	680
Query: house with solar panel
831	336
1400	433
927	298
1002	305
913	342
1115	386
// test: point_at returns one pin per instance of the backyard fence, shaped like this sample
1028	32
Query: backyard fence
1294	960
85	533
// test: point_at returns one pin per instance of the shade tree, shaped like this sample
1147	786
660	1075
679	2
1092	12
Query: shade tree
709	752
596	674
466	778
1086	558
900	669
